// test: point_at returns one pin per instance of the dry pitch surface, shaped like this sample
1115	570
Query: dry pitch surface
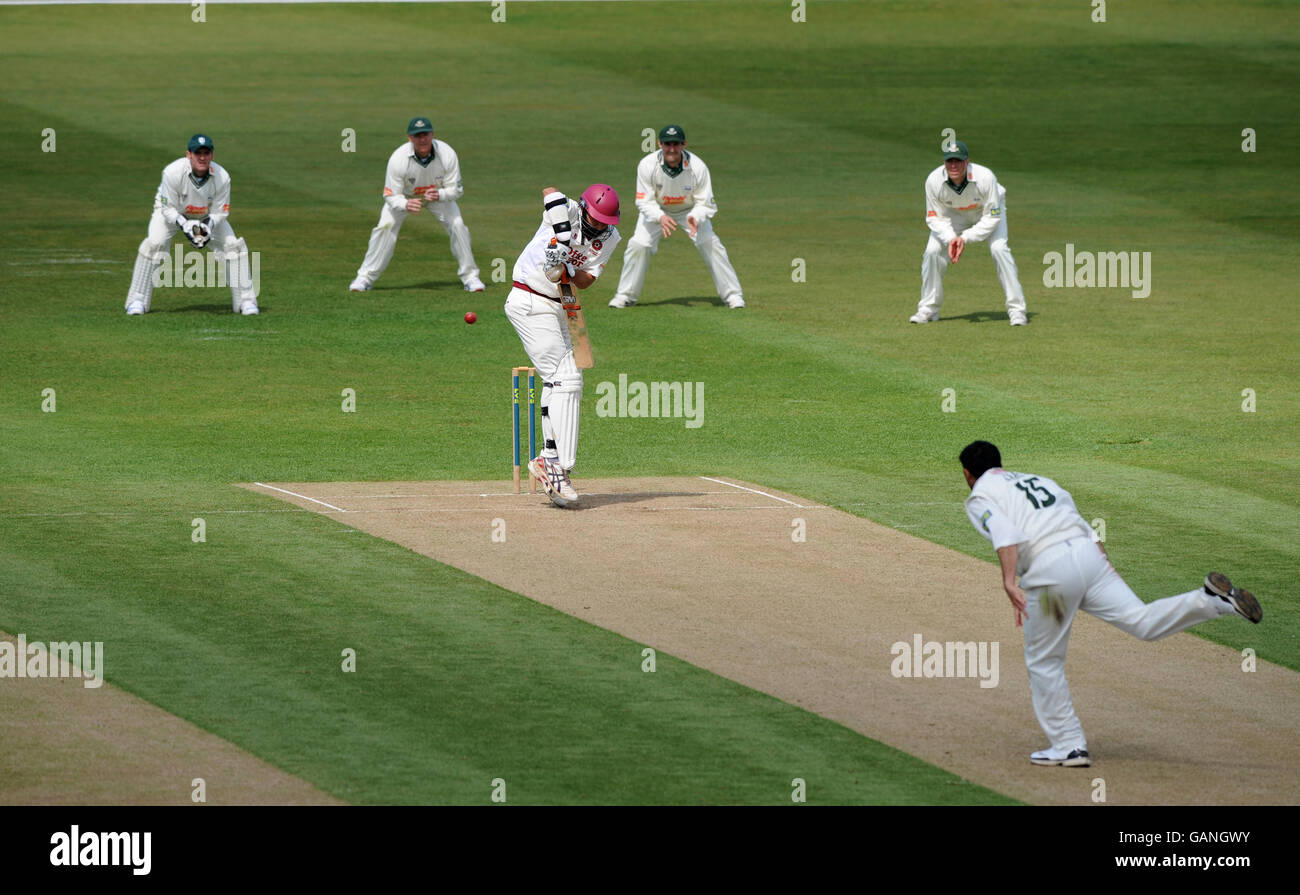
707	570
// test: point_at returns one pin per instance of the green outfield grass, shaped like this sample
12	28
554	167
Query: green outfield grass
1122	136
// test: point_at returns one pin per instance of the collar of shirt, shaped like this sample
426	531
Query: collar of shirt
424	162
673	172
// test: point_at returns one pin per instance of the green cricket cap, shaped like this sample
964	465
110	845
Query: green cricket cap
955	149
672	134
201	141
419	126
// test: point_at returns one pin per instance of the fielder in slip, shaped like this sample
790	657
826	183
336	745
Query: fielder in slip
674	190
193	198
1039	535
571	247
421	170
964	203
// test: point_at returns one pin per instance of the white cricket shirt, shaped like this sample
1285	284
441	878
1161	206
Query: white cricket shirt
1031	511
589	256
690	192
180	195
406	174
972	214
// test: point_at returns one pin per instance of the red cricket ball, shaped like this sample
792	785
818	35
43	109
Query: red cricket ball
471	317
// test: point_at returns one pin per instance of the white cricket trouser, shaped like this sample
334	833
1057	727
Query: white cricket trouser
645	242
545	333
383	240
152	254
1078	573
934	264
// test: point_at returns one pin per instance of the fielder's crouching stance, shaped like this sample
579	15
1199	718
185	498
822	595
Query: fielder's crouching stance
421	172
572	245
1038	534
193	198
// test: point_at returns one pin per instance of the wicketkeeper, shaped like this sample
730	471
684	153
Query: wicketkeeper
193	198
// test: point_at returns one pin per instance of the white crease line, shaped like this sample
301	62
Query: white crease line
501	494
303	496
360	512
752	491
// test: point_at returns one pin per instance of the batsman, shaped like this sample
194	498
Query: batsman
569	251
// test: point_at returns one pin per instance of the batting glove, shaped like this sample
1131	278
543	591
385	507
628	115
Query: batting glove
556	254
559	273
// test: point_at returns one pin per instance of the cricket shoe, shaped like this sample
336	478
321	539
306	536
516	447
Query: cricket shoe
1218	585
736	302
135	307
923	317
248	308
554	479
474	284
1018	318
621	301
359	285
1075	758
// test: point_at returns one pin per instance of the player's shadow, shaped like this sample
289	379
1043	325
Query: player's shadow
686	301
430	285
591	501
983	317
205	309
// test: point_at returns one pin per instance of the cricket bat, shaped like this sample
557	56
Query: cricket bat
577	328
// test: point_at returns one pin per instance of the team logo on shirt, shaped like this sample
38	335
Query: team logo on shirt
984	519
596	244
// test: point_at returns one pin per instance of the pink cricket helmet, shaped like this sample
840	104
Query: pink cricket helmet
601	203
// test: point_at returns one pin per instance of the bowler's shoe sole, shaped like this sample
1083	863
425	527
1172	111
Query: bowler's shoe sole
1243	601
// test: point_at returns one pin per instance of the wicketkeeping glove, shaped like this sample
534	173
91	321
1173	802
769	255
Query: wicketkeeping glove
196	232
